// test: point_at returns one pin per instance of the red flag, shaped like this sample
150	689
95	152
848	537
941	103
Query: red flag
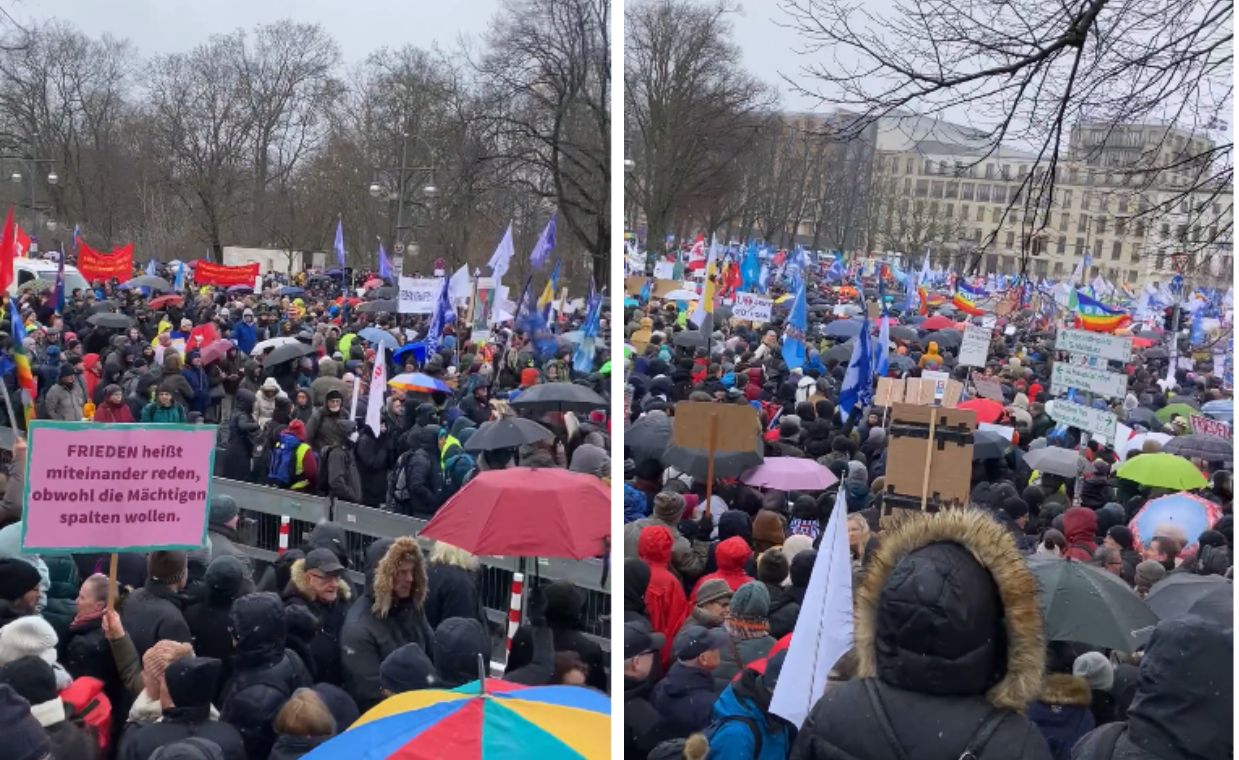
8	250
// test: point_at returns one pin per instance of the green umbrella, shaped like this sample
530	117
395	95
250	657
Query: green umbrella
1183	410
1163	471
1086	604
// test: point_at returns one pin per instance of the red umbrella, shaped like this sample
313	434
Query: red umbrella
165	301
1142	343
373	282
937	322
201	336
987	410
527	512
215	350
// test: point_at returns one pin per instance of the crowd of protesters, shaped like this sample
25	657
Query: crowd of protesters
950	657
209	653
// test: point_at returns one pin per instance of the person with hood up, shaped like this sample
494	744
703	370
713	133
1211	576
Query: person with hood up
199	383
164	408
931	359
316	584
1184	703
772	570
329	371
34	680
264	673
1062	712
376	453
949	647
665	604
24	738
731	557
223	517
263	404
208	617
564	607
172	379
457	644
245	332
304	723
688	558
1080	529
748	628
636	581
113	408
800	572
741	724
454	585
189	686
416	481
387	616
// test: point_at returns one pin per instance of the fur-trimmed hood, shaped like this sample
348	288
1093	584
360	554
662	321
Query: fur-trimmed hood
405	547
1065	691
943	541
298	582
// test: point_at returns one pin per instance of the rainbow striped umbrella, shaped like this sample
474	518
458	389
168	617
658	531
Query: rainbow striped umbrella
504	720
418	382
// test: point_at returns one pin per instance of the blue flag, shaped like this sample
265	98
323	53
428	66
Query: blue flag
150	268
857	387
179	285
546	243
836	272
583	358
384	265
794	349
883	350
1198	327
339	243
750	270
442	315
60	285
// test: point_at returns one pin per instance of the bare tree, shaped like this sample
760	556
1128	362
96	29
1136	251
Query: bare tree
1028	72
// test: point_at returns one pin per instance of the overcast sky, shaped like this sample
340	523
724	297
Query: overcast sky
358	26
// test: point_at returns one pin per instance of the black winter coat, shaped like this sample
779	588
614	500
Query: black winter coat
324	646
784	609
453	592
295	747
375	457
139	742
686	697
208	624
243	434
564	605
154	613
367	639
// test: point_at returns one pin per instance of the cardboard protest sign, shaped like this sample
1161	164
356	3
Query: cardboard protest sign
920	391
634	284
418	294
739	428
752	307
975	348
116	487
988	388
663	287
937	472
664	270
1208	426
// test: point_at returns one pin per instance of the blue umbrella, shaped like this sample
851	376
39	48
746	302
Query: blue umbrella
1186	511
1222	409
842	328
375	335
291	291
241	289
418	350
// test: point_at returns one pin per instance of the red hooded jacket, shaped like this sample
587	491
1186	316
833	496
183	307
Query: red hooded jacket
1080	528
730	556
664	596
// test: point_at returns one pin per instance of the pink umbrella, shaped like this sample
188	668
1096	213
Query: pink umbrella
215	350
373	282
790	474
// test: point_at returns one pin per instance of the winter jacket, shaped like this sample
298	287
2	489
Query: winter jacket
685	697
324	647
340	466
106	412
326	429
62	404
294	747
153	412
665	603
731	556
264	673
223	542
139	742
784	609
200	384
938	647
565	604
328	380
1080	529
423	478
375	458
453	592
172	380
154	613
1184	702
1063	713
378	624
738	724
237	460
245	336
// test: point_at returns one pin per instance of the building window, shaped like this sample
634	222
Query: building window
922	188
1180	233
1079	246
911	166
1160	262
935	189
1122	204
1096	250
989	171
949	211
1086	200
1116	250
1082	223
965	191
1099	227
1120	226
951	190
1061	248
1006	171
963	212
1165	229
999	194
1064	219
983	193
1073	177
995	214
1066	197
1010	238
1058	268
980	213
1140	229
1135	254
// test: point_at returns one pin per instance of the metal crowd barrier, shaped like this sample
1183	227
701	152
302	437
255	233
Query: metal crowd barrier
265	505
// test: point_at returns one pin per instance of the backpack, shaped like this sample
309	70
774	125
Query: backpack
282	468
458	469
91	709
338	476
746	720
398	490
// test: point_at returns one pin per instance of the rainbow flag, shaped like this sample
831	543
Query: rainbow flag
1095	316
25	378
967	298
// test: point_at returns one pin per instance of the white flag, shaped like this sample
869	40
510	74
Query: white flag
460	286
502	256
378	388
699	315
824	629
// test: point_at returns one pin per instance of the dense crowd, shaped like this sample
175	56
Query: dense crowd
957	646
211	654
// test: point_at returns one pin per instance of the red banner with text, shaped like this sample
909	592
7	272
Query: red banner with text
206	273
97	265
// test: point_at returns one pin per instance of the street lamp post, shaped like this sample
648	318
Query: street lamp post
31	165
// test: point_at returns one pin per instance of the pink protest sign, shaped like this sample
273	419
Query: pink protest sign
1206	426
116	487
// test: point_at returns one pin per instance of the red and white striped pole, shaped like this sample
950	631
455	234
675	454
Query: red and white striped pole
283	545
514	608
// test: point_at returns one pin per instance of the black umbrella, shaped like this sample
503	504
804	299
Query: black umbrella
1086	604
841	352
149	281
945	338
1144	416
899	332
843	328
286	353
648	437
1180	594
559	397
1187	401
506	433
382	306
902	363
1207	447
689	339
386	291
696	462
989	445
1155	352
99	306
109	319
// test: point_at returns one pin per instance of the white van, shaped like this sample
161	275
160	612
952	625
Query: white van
25	270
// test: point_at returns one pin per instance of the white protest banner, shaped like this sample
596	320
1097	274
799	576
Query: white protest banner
1208	426
418	294
752	307
1111	347
1096	421
975	348
664	270
1108	384
989	321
